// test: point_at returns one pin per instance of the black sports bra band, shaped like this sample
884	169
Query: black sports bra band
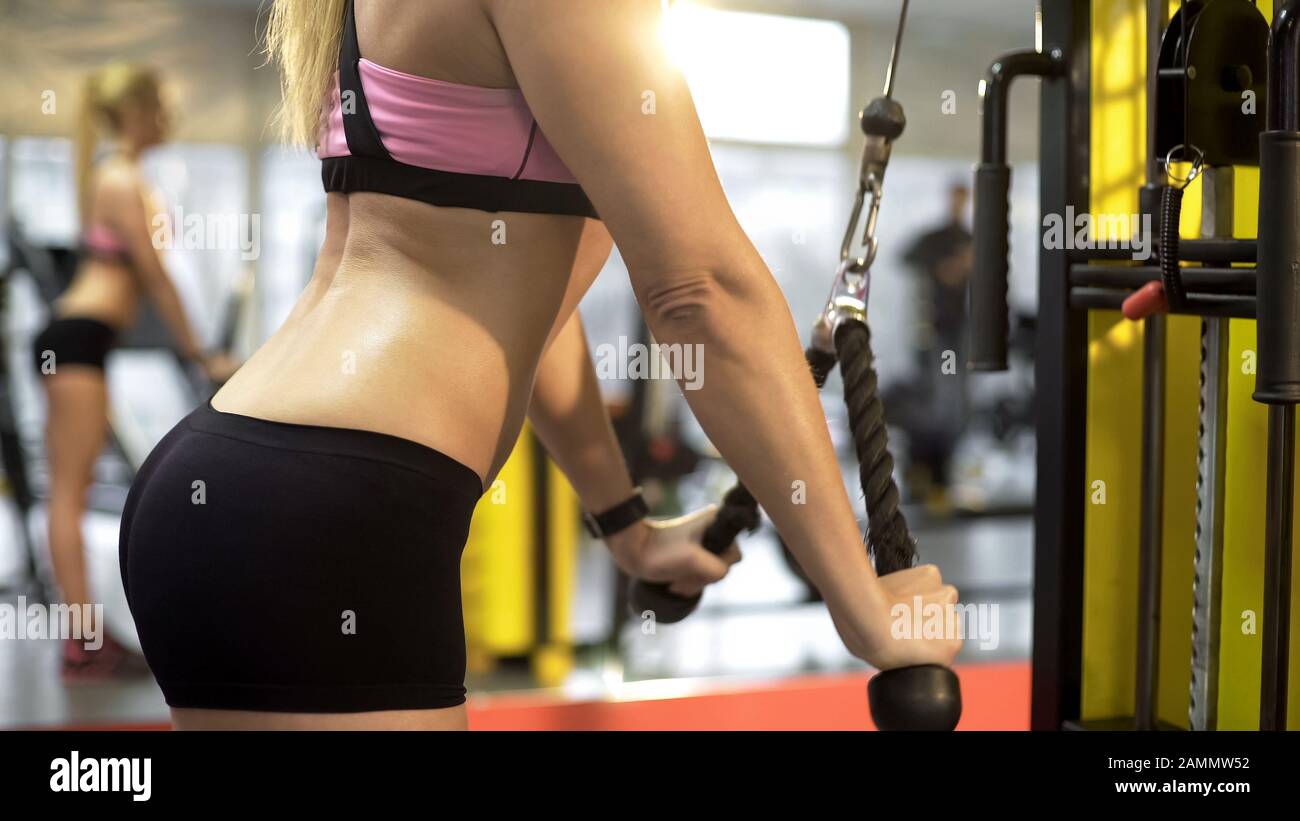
454	190
358	127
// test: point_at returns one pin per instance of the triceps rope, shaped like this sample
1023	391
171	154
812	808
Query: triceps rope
888	538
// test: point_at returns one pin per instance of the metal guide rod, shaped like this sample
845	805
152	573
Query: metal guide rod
1277	567
1277	373
1147	677
1207	592
1191	250
1204	280
1154	333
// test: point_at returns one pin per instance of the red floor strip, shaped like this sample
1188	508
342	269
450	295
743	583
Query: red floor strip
994	697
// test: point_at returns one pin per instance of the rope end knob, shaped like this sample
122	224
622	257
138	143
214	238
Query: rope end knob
925	697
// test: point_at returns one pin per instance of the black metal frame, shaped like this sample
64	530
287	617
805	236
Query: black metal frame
1061	374
1069	286
1277	379
13	463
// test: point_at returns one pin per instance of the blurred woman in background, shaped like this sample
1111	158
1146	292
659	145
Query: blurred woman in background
122	112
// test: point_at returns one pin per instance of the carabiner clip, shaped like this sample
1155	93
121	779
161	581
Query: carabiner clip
1198	165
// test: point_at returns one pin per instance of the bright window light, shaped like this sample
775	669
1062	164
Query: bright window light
763	78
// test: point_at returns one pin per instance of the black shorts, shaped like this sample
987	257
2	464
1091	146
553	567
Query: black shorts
294	568
72	341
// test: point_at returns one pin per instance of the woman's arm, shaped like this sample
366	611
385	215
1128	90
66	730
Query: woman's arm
597	78
122	197
569	417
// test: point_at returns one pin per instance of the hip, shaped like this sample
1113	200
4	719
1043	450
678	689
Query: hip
276	567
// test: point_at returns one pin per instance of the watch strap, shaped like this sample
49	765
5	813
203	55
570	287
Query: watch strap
619	517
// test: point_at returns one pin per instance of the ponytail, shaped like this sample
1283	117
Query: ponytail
85	143
303	37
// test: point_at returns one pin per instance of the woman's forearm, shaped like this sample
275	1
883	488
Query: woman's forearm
570	419
758	404
168	302
155	282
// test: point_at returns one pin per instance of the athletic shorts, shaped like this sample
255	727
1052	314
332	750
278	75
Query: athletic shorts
295	568
72	341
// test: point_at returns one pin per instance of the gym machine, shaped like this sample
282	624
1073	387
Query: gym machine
1277	381
13	457
1204	70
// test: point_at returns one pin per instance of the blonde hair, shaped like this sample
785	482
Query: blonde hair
107	93
303	37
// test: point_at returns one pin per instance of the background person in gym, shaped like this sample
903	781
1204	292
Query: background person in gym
123	111
941	258
456	337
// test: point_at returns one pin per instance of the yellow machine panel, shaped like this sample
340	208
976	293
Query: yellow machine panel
1114	443
518	573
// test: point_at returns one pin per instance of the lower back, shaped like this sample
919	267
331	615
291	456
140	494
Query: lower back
420	322
101	290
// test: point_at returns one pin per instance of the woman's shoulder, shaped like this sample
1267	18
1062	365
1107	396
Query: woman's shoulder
116	178
117	172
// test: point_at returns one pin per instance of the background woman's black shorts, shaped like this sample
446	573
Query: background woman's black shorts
72	341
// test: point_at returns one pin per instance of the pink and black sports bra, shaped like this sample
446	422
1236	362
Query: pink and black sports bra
442	143
103	242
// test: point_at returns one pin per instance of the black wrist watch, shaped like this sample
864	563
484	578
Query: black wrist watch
619	517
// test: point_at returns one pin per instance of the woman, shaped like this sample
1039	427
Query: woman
290	551
121	104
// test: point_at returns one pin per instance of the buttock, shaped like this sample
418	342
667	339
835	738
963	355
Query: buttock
72	341
294	568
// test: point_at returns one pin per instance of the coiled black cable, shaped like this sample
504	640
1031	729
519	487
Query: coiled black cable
1171	208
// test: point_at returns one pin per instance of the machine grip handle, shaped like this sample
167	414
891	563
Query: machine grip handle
739	513
1277	376
988	284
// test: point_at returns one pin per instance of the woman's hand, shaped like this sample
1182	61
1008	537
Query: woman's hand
219	367
880	626
670	550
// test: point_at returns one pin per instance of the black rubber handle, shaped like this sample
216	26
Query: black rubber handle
925	697
739	512
1277	374
988	287
988	284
